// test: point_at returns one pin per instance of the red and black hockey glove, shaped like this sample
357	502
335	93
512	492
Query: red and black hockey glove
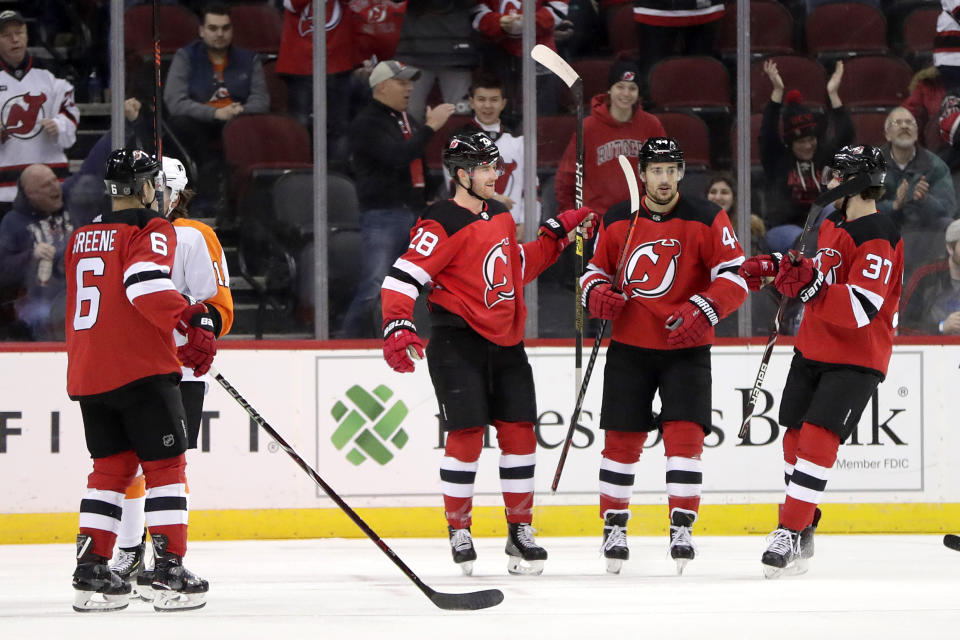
197	324
756	269
799	278
401	345
602	301
691	321
559	227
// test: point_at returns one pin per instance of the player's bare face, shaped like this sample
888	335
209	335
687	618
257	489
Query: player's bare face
660	181
833	184
216	32
488	104
485	180
13	43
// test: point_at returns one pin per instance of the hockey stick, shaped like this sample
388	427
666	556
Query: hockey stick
157	102
843	190
451	601
634	188
559	67
951	541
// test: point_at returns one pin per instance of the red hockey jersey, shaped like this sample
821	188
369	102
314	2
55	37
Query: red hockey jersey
672	256
475	265
852	320
122	306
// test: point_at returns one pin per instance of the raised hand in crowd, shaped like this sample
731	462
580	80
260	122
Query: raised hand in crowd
437	116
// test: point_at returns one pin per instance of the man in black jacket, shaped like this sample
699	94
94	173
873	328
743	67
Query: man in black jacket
387	155
930	304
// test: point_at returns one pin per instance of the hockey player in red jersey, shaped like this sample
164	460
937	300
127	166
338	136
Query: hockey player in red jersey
123	369
465	248
678	280
851	292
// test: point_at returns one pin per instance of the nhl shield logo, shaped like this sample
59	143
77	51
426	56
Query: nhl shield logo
168	440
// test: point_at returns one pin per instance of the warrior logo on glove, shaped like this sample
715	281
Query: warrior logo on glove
651	269
496	273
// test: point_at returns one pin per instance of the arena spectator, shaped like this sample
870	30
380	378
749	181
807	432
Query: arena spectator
930	304
722	190
377	24
662	26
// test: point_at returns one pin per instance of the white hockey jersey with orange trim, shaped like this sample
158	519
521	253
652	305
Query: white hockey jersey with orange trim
200	271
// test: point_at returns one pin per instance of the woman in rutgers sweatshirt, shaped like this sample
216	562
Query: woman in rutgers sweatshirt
616	125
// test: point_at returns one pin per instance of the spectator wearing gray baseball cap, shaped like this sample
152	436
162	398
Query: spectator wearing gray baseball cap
930	304
387	147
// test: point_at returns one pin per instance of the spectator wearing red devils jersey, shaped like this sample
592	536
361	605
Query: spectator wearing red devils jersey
466	249
851	291
123	368
664	281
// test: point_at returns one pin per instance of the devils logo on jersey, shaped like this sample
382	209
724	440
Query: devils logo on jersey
828	260
503	182
21	116
651	269
496	274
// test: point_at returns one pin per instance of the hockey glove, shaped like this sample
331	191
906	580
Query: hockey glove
756	269
603	302
949	119
691	321
401	345
799	278
197	324
562	225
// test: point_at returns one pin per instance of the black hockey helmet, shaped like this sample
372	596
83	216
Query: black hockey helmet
852	161
128	170
469	150
660	150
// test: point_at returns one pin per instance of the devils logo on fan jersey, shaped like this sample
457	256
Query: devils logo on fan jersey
503	182
21	116
827	261
651	268
496	275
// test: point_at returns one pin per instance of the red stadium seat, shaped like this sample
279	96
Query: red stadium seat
919	29
771	29
868	126
178	27
595	73
846	28
697	83
553	135
276	87
798	72
256	27
434	151
263	142
692	134
875	82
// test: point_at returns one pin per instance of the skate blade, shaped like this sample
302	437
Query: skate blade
88	601
144	592
797	568
518	567
614	565
176	601
466	567
681	565
772	573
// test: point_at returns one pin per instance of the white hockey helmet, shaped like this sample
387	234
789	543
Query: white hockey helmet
175	176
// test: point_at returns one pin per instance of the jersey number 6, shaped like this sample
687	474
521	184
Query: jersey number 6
86	318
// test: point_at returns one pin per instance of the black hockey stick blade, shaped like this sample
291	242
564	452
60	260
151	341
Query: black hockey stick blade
951	541
472	601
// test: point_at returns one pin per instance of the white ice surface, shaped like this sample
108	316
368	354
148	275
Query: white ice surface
858	587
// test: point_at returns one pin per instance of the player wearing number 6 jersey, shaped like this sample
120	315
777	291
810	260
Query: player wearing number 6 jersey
678	278
466	249
123	369
850	291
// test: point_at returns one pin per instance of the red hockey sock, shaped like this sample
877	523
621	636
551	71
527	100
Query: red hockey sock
621	451
166	504
518	446
102	504
816	453
458	472
683	446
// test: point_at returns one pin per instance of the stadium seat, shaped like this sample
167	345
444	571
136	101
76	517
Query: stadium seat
875	82
276	87
840	29
798	72
868	126
697	83
595	74
438	141
256	27
692	134
263	142
918	31
771	29
621	29
178	27
553	135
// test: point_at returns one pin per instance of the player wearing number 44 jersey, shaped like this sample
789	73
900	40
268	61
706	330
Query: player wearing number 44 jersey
850	291
678	279
123	369
466	249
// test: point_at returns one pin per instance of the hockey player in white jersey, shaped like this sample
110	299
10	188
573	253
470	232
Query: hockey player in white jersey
199	272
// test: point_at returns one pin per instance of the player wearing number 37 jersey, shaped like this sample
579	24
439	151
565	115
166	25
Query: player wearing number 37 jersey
466	249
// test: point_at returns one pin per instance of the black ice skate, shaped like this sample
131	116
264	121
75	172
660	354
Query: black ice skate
614	546
525	557
682	548
129	563
806	544
461	546
176	587
97	588
783	550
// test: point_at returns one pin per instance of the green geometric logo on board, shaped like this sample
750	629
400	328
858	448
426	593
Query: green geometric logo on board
368	426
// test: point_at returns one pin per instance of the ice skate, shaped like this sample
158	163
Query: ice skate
97	588
783	550
682	548
614	546
129	562
806	544
525	557
176	587
461	546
